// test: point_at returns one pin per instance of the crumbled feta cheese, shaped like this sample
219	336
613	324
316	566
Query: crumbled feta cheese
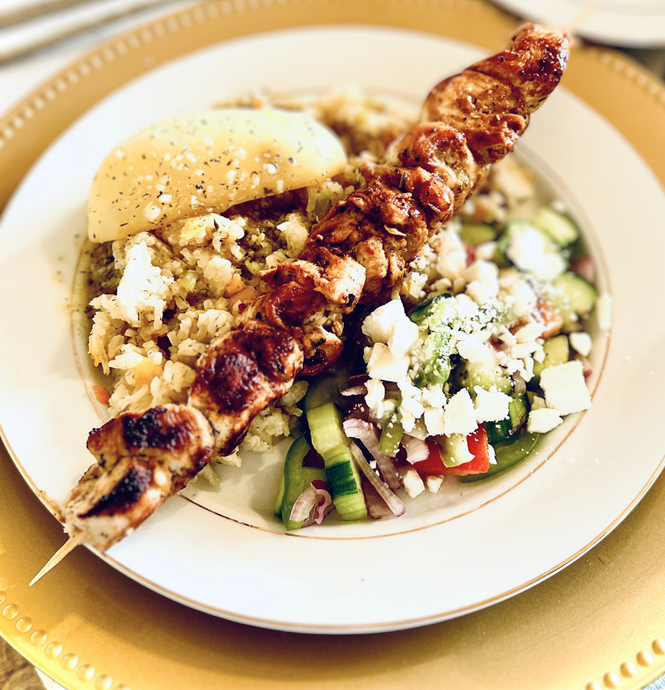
491	406
459	414
384	365
486	273
537	402
474	351
603	311
565	388
376	394
524	299
486	251
433	484
434	397
466	307
529	252
581	342
381	323
413	285
412	406
404	337
419	430
529	333
509	277
408	390
542	420
521	350
434	420
413	484
527	371
452	255
407	419
478	292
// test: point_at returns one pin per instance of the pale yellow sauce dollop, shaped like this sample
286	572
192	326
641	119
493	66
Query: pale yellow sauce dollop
208	163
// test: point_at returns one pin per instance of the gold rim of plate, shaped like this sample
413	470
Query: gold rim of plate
598	624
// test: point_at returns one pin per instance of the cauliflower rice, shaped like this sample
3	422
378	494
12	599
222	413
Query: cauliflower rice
159	298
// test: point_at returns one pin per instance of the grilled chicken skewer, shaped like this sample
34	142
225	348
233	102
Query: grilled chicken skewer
356	254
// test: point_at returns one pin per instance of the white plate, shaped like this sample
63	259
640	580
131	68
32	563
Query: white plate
454	553
636	23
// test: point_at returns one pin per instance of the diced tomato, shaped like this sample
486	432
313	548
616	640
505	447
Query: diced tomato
102	394
470	255
479	448
550	317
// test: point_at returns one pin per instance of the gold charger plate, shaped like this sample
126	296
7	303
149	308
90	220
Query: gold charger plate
598	624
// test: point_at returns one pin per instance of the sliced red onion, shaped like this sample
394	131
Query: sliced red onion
519	387
394	502
587	369
585	267
358	411
376	506
325	505
416	450
312	504
367	434
355	390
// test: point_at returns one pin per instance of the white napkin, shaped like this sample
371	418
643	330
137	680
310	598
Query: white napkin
73	17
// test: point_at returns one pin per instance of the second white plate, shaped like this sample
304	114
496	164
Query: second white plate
636	23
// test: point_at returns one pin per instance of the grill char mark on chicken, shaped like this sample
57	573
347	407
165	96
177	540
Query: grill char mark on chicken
142	459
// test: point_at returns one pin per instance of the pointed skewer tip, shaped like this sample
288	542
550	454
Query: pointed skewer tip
585	13
59	555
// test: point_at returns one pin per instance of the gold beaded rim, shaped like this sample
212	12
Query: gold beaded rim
53	650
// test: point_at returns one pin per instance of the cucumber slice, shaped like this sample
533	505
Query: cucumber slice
557	351
574	297
516	228
330	441
518	409
508	454
436	309
295	480
473	234
530	249
456	451
325	427
559	227
436	370
345	484
325	388
391	436
473	375
438	313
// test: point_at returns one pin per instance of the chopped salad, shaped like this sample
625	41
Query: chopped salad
483	348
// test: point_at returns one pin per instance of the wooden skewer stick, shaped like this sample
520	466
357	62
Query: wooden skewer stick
588	10
63	551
